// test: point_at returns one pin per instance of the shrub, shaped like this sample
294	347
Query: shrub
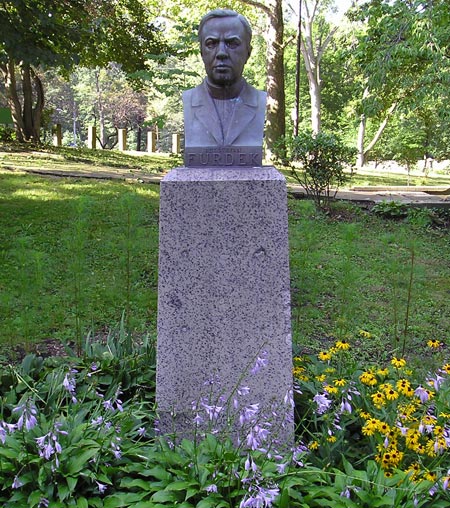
323	158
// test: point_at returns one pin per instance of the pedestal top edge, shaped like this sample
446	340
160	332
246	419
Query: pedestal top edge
217	174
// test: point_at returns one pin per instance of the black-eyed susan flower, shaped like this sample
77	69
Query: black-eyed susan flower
332	390
313	445
370	427
384	428
342	345
368	378
378	399
433	343
340	382
403	386
391	394
324	356
398	363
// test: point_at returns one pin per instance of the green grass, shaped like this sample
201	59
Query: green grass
380	177
76	254
82	159
356	274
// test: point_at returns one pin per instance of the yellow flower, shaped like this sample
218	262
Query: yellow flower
298	371
368	378
340	382
370	427
383	372
365	334
409	392
430	476
391	394
384	428
321	378
378	399
398	363
298	359
331	439
324	356
446	368
403	386
412	438
331	389
313	445
433	343
413	469
406	411
342	345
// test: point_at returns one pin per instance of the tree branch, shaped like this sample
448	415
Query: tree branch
258	5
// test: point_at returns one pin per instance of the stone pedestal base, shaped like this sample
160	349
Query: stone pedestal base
223	298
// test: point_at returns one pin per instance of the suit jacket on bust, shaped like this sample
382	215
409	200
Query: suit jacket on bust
202	125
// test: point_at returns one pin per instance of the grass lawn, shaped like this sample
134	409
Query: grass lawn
76	255
79	256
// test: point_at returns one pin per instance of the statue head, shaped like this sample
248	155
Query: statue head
225	45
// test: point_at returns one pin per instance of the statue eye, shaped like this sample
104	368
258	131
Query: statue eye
211	43
233	43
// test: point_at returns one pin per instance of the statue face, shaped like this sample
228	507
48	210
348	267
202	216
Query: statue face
225	49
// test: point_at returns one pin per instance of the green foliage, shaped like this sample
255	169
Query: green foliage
79	432
388	420
352	270
323	159
391	209
7	134
81	254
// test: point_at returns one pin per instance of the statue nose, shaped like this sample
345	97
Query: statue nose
222	50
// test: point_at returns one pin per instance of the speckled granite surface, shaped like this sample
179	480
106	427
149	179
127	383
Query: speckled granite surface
223	291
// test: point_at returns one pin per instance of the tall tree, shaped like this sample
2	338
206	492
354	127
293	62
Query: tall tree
403	56
315	37
60	33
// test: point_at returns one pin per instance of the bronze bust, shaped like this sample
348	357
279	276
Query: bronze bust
224	115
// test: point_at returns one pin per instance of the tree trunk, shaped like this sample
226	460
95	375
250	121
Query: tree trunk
363	152
9	77
316	101
26	118
313	48
39	106
276	102
361	157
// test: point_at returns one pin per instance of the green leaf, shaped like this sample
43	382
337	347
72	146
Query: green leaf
127	499
71	482
34	498
82	503
165	495
77	463
135	482
63	491
180	485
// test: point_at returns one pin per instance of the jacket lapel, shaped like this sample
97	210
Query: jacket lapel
244	112
205	111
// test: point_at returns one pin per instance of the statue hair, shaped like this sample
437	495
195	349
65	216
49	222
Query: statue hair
225	13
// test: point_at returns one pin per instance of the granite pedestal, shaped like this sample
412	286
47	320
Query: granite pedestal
223	294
